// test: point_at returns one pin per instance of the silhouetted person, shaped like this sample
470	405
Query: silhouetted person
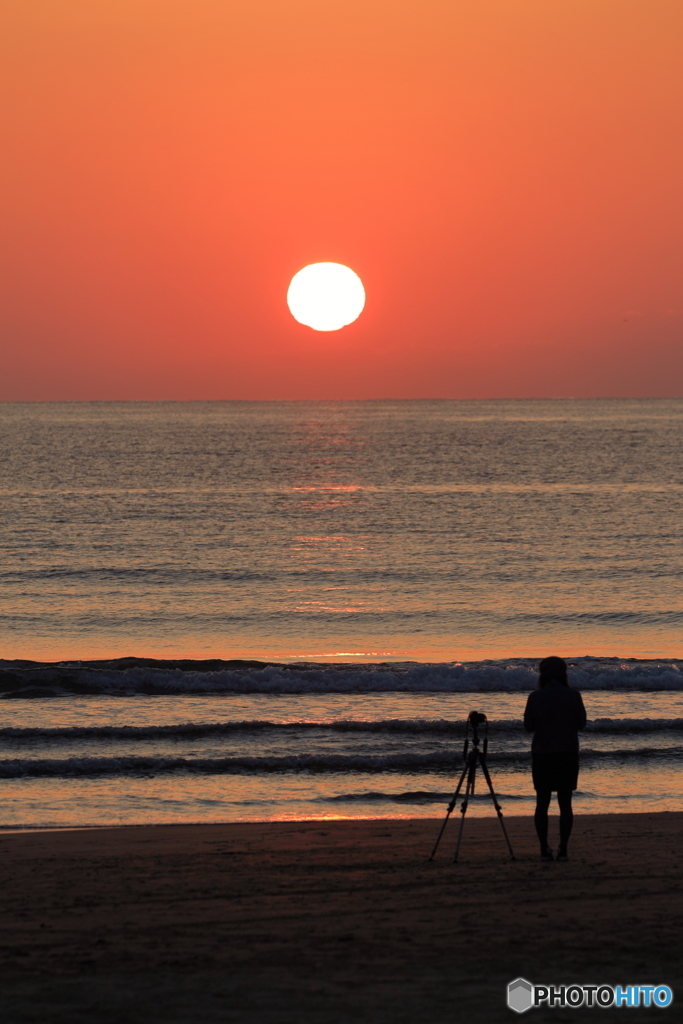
554	714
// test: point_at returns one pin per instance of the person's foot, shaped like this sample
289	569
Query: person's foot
562	854
547	854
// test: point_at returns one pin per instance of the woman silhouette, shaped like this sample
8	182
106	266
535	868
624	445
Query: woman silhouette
554	714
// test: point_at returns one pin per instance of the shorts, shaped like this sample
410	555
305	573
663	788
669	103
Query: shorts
556	771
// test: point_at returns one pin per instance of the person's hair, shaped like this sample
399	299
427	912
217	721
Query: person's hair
552	668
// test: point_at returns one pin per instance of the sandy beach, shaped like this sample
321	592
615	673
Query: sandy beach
332	920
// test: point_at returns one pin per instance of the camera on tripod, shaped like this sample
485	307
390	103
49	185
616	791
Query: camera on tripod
476	757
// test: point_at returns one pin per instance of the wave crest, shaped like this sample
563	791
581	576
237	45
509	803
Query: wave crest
130	676
70	767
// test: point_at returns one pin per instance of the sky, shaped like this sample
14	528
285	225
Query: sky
504	175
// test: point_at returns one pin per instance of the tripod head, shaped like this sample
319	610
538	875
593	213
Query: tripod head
474	720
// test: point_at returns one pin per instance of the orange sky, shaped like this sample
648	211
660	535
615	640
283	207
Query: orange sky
505	175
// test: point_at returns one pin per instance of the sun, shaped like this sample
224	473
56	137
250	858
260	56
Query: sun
326	296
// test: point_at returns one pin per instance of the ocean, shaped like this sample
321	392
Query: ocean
231	611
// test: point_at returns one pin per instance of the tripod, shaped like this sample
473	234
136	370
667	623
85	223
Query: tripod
471	758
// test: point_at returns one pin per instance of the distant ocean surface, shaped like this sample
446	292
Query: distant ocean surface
222	611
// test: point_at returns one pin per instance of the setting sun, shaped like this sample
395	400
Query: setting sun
326	296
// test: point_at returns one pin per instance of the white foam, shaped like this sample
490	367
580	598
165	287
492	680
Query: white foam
504	676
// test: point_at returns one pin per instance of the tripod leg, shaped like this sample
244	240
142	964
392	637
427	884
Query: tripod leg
499	811
469	789
449	811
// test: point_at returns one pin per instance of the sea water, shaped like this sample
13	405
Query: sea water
378	570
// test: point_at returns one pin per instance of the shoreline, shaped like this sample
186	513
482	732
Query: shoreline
335	921
260	822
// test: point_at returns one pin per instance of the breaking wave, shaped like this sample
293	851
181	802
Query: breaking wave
70	767
410	726
131	676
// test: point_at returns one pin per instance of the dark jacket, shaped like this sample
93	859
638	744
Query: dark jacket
555	715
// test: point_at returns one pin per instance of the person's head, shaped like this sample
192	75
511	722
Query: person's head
552	668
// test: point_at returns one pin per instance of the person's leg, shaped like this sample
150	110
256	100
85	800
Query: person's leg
541	817
564	799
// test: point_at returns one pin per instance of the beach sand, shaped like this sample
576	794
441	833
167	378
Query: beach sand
333	921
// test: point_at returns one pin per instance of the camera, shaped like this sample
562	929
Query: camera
476	719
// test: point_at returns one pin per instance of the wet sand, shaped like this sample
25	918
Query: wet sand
335	921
